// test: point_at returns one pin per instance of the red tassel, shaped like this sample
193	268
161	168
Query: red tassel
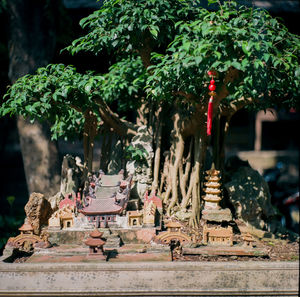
209	115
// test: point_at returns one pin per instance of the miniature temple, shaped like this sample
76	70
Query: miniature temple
108	200
105	204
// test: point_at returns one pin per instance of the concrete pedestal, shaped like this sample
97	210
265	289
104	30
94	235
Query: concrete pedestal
150	279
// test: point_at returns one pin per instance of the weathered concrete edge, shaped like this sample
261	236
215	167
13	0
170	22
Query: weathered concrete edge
155	279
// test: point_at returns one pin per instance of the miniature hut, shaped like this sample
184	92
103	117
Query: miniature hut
135	218
54	221
67	220
218	235
248	240
95	244
149	214
26	228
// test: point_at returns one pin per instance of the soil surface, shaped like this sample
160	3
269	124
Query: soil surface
277	250
283	246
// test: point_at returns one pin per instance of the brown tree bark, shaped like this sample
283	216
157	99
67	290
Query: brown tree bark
31	45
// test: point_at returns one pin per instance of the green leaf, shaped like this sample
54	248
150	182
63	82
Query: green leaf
154	32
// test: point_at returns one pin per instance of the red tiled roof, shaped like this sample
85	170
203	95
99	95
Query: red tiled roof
94	242
26	227
102	206
96	233
156	200
65	202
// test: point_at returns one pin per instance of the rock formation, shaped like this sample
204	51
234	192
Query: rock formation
38	210
249	194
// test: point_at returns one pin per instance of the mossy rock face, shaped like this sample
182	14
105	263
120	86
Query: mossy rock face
249	194
68	236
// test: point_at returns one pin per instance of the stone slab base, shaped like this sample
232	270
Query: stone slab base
132	235
225	251
150	279
217	215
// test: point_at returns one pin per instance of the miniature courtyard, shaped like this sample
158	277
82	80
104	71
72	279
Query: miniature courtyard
108	225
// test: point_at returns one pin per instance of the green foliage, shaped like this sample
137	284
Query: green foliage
11	200
3	5
136	153
56	93
61	95
123	25
233	37
125	83
9	225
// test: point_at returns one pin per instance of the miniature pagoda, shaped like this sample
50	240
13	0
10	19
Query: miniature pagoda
213	214
212	191
212	210
95	244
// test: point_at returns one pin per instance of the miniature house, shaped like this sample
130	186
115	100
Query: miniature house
149	213
135	218
67	220
218	235
54	221
63	217
248	240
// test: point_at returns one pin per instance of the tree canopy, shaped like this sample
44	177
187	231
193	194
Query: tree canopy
161	53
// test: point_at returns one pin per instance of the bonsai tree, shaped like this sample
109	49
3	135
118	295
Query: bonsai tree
164	51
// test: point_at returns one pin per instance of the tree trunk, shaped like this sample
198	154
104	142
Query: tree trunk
200	154
31	45
158	140
89	134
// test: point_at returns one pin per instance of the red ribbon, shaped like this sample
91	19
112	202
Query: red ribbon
209	115
211	87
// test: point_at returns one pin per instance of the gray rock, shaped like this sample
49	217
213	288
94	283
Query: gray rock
71	175
115	164
250	197
142	172
217	215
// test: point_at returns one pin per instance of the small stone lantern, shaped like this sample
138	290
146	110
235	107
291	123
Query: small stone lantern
95	244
